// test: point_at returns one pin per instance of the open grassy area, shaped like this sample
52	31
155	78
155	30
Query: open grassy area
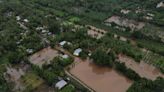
68	88
154	59
156	47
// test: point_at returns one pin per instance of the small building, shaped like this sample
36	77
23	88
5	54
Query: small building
68	79
18	18
115	36
65	56
29	51
44	31
18	42
39	28
62	43
123	39
26	20
59	85
49	33
77	52
89	54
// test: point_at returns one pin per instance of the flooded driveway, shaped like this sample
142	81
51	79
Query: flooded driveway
142	68
43	56
99	78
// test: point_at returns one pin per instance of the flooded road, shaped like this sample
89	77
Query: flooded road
100	79
43	56
142	68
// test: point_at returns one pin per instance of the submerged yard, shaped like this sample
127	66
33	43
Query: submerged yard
101	79
43	56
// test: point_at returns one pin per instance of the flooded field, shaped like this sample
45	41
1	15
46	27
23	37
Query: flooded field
21	78
95	32
125	22
43	56
143	69
99	78
14	74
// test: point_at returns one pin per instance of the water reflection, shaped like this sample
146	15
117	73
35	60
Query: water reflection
99	70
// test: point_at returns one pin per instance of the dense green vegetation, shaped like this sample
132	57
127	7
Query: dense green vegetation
147	86
4	87
101	58
146	42
126	71
69	88
19	38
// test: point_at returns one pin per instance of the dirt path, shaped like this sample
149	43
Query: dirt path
78	80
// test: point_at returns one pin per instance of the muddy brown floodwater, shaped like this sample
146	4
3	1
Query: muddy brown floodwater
43	56
100	79
142	68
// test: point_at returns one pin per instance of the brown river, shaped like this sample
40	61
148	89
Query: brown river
101	79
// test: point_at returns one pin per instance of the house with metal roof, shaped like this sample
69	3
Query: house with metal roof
62	83
77	52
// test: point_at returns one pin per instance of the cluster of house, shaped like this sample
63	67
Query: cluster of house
18	18
76	52
61	84
149	16
22	22
43	30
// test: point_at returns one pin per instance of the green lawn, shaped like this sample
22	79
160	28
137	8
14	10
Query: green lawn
68	88
32	81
